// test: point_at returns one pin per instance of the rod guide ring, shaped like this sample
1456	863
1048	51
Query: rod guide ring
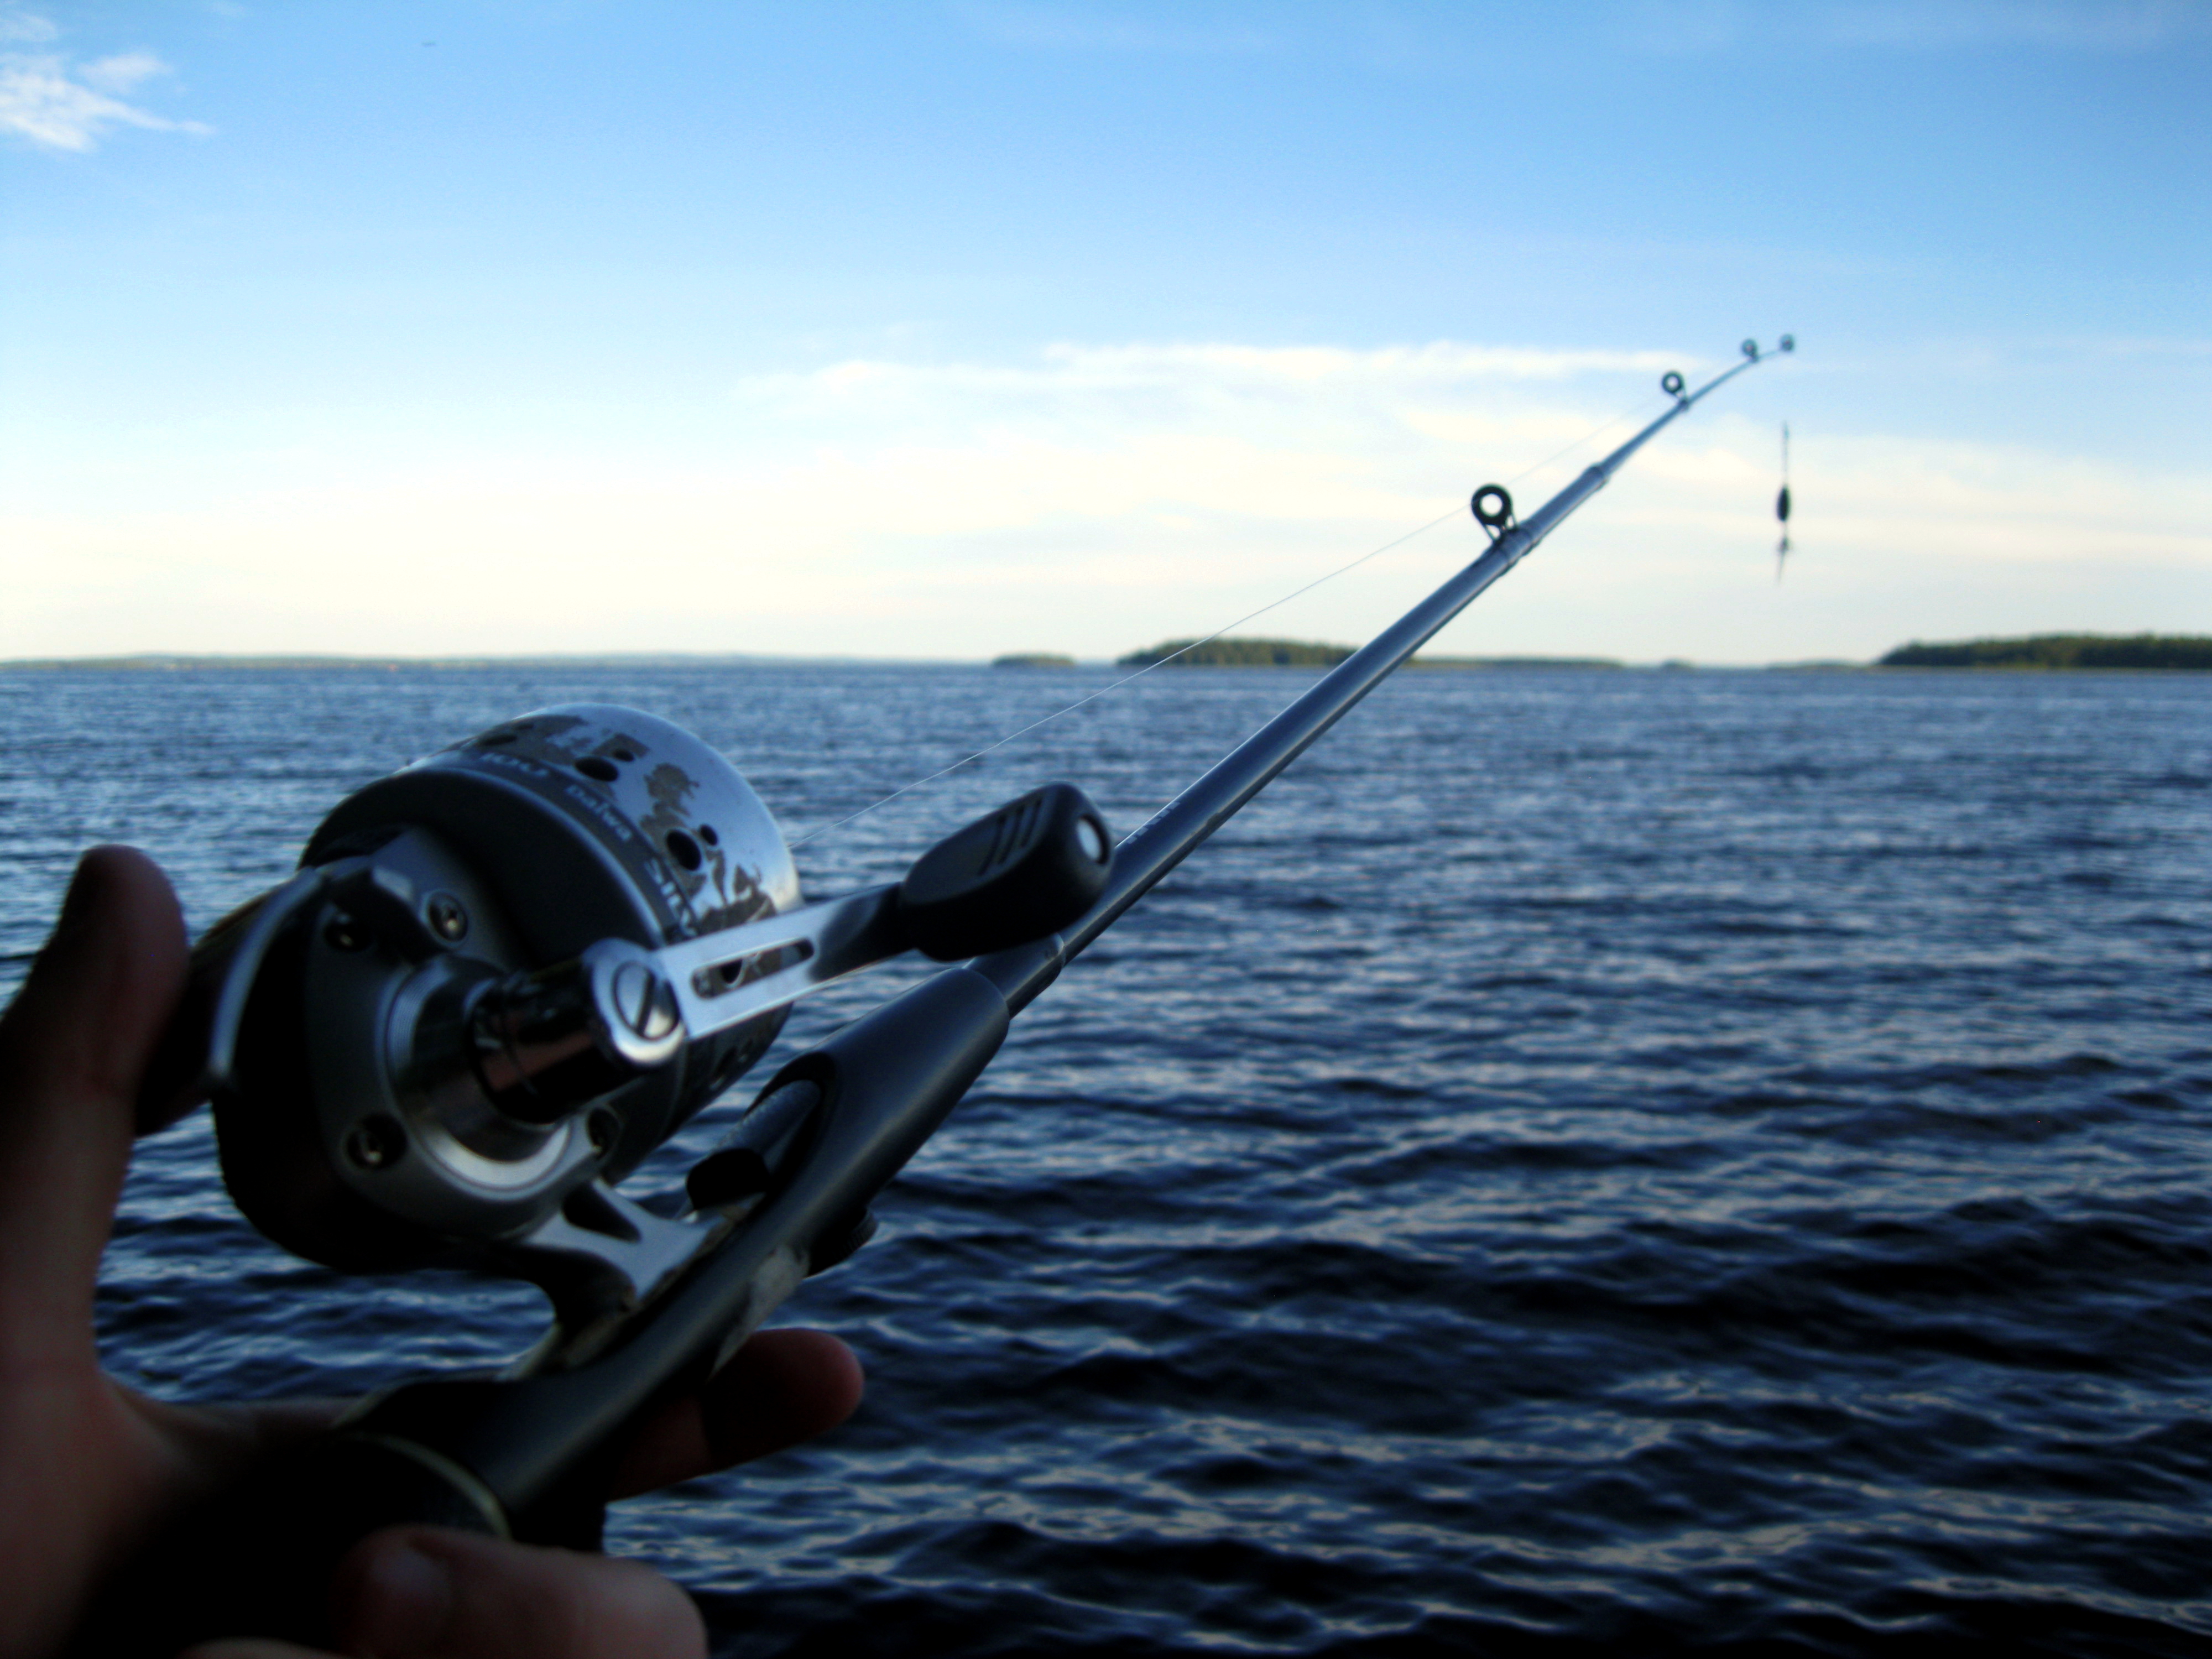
1493	509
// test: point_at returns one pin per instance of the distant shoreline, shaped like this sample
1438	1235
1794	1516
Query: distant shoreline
165	662
2023	653
180	661
2061	652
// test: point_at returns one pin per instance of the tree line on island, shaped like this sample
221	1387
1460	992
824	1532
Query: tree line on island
2030	652
2060	651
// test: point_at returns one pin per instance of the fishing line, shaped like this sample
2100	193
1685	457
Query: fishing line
1621	419
965	760
800	841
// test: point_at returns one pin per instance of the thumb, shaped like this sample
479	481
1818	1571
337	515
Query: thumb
426	1592
71	1050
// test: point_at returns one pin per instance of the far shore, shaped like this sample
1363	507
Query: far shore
212	662
2027	654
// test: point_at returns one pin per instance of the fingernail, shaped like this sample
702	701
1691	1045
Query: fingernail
403	1605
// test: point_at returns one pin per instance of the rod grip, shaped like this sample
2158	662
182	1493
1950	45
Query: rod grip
259	1561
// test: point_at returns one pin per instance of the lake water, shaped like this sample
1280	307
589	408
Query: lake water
1587	1161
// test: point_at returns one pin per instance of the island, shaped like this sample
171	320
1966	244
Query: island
1032	659
1237	654
2048	651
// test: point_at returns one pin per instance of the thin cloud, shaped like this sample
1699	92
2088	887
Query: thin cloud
1092	498
60	105
2105	26
1696	27
1066	29
16	26
1195	375
120	73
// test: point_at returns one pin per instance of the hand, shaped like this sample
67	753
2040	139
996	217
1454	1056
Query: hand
90	1467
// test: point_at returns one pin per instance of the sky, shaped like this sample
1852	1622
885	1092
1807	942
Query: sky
935	330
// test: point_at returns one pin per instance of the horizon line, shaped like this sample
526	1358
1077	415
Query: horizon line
219	659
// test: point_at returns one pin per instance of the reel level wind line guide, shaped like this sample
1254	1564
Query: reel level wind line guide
507	973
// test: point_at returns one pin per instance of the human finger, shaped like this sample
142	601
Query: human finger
428	1593
783	1387
72	1048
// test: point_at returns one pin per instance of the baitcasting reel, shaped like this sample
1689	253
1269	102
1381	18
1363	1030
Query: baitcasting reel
506	974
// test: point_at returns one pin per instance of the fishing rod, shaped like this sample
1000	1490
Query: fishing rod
507	973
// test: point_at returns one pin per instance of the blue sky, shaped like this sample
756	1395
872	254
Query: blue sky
940	330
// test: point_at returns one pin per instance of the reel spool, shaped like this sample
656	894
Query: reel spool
508	972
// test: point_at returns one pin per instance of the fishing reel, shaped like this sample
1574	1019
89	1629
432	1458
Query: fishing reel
507	973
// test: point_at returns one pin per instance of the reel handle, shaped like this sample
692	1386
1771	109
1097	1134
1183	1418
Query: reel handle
1027	870
546	1042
